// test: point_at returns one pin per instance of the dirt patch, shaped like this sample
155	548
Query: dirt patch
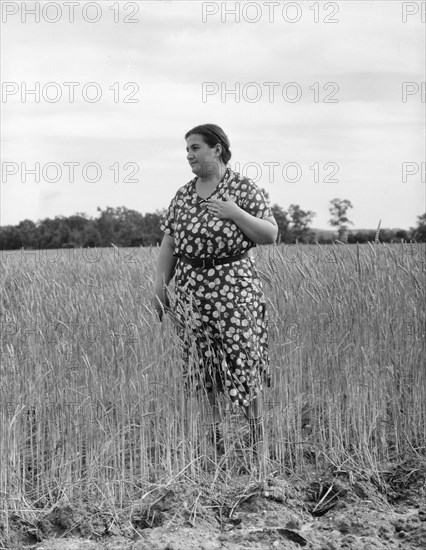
332	511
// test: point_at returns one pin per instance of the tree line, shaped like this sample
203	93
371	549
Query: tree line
124	227
121	226
294	227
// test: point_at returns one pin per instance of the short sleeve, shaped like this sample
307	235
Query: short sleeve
255	202
167	222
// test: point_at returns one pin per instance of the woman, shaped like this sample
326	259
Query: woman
209	227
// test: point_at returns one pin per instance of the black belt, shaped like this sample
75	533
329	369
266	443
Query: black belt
207	263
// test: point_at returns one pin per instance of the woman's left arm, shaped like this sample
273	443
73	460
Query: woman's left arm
258	230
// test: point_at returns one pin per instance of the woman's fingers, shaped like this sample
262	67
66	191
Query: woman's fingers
214	207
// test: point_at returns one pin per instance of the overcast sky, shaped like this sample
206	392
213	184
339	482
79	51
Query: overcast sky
341	128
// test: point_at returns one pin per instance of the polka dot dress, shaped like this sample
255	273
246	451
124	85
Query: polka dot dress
222	313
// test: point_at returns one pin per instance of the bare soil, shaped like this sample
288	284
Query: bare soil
331	510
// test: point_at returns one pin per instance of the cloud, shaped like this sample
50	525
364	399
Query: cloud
170	53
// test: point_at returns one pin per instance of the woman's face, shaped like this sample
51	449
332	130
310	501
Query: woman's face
204	160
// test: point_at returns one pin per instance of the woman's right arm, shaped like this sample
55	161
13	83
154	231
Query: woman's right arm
165	270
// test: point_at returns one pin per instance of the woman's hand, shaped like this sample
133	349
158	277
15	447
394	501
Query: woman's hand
166	263
225	209
259	230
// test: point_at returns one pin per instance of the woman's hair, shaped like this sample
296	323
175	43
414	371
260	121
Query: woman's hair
213	134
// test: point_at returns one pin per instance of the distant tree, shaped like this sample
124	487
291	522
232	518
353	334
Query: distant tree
402	235
281	217
283	222
90	236
27	231
419	233
300	220
339	219
10	238
54	233
105	225
152	232
362	236
124	227
387	236
129	228
83	231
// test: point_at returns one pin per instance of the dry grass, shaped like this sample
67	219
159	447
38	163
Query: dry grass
92	404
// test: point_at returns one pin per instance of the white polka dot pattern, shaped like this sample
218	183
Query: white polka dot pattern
222	309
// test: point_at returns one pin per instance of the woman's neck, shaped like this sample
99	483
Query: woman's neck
214	178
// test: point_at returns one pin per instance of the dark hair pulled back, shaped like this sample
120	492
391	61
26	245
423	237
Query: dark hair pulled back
213	134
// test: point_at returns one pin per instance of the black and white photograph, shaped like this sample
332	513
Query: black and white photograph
213	275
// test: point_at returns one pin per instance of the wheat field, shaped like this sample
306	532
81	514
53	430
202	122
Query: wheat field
92	401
